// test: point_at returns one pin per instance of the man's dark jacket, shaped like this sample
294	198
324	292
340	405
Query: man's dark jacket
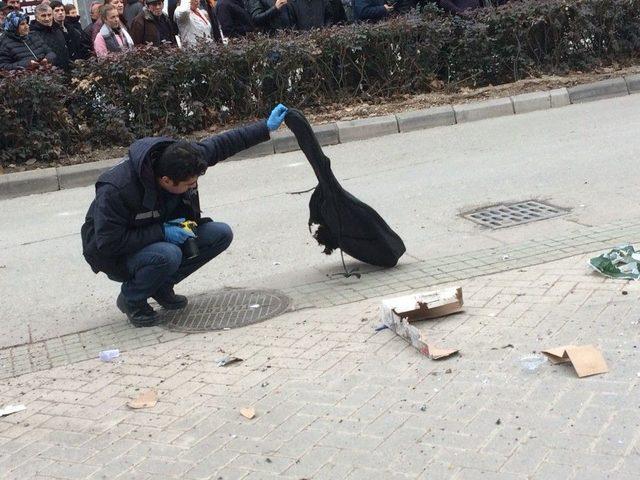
267	17
308	14
147	28
369	10
234	18
78	40
53	37
17	52
459	6
128	211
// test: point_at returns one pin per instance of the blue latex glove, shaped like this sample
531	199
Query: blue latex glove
174	233
277	117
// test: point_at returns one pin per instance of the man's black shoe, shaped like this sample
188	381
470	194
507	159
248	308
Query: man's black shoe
168	300
140	314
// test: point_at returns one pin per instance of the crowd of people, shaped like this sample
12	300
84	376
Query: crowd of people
56	36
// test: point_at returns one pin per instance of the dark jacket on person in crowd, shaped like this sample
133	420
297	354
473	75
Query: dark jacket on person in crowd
54	38
308	14
458	6
130	208
147	28
267	17
80	37
369	10
234	18
131	10
215	25
17	52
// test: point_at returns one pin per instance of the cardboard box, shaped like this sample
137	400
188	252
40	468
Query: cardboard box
396	313
424	306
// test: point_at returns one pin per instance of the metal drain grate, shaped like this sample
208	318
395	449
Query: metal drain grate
226	309
502	216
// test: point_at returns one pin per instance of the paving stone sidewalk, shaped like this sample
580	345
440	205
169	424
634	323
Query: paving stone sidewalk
336	400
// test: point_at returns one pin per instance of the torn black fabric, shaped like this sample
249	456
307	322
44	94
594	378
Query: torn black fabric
343	221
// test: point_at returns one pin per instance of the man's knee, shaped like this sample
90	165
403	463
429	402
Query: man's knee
216	233
227	235
163	255
172	257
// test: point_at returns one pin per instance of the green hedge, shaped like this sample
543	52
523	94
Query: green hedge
46	114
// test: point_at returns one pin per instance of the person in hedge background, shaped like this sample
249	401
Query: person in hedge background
234	18
113	36
132	230
94	13
371	10
270	15
119	4
19	49
72	21
152	26
77	45
193	23
51	34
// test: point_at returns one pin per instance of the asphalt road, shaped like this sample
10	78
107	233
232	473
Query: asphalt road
581	157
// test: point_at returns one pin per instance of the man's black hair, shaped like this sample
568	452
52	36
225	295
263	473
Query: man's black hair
55	3
180	161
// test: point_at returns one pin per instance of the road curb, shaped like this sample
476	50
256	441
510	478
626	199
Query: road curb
613	87
471	112
19	184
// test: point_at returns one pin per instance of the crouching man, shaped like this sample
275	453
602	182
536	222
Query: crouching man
132	230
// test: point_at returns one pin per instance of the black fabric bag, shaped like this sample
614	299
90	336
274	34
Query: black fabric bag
343	221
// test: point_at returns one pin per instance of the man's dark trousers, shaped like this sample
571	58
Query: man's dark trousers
161	264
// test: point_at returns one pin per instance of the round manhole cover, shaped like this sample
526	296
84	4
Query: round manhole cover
226	309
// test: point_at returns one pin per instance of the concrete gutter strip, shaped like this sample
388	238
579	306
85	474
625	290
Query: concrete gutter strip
51	179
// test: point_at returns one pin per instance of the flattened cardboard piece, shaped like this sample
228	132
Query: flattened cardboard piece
427	305
558	355
248	412
436	353
146	399
586	359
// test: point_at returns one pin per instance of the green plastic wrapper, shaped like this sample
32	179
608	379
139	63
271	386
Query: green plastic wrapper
621	262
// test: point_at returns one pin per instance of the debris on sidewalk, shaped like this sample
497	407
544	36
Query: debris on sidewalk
428	305
248	412
397	313
586	359
531	363
508	345
146	399
9	409
621	262
109	355
227	360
